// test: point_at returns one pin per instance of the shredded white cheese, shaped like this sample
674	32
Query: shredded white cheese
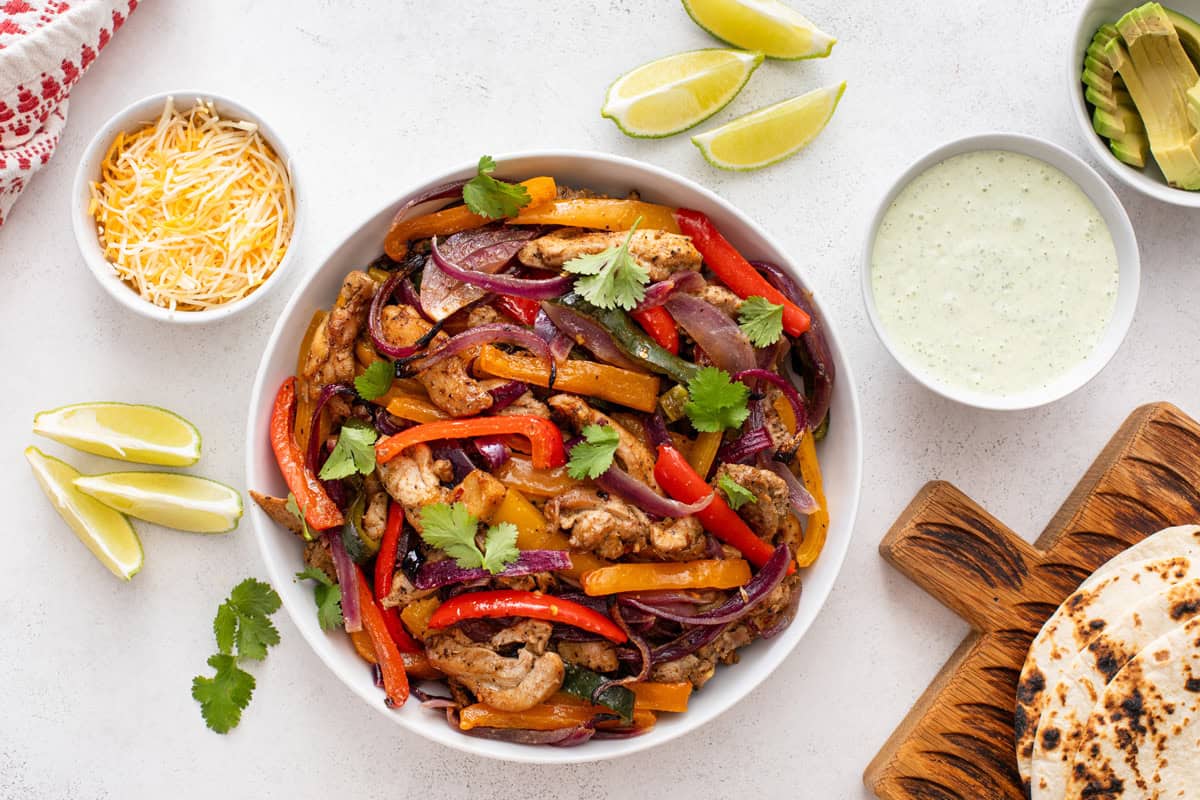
193	211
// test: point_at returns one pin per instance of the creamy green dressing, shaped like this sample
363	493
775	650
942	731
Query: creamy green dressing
993	272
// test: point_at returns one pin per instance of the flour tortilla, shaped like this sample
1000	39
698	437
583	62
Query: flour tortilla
1142	739
1071	700
1067	631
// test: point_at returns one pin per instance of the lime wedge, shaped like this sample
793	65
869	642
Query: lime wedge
764	25
678	92
183	502
770	134
107	533
145	434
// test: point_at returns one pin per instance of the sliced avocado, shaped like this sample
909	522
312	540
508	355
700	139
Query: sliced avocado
1110	102
1112	125
1115	117
1132	148
1189	33
1193	101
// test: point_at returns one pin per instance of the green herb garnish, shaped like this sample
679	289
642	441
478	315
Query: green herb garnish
761	321
592	457
353	453
375	381
613	279
736	494
493	198
452	528
716	402
328	596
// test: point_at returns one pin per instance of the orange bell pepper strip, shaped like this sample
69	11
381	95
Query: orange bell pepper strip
535	605
534	533
319	511
677	478
544	717
704	452
416	665
391	664
607	214
417	613
417	409
735	271
630	389
728	573
303	406
657	322
519	473
544	436
661	696
818	522
385	566
455	219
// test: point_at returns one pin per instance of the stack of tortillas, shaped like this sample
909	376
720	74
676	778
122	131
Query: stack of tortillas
1108	705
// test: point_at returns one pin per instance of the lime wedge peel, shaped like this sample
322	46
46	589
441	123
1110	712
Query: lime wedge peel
183	502
677	92
771	134
126	432
768	26
107	533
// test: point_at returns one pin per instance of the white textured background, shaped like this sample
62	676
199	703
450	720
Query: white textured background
372	97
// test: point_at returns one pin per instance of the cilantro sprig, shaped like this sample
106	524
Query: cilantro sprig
612	278
736	494
715	402
761	321
375	380
452	528
294	507
353	453
328	597
243	630
592	457
493	198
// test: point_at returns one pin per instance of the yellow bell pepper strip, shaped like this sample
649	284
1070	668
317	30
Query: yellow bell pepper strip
616	385
818	521
728	573
735	271
303	404
417	409
534	605
362	645
661	696
319	511
534	533
391	665
519	473
608	214
456	219
416	616
544	717
543	435
704	452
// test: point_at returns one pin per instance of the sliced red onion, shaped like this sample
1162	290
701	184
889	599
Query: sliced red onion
657	293
375	322
560	343
484	250
746	446
445	191
410	296
347	578
717	335
656	429
502	284
738	605
784	386
312	453
643	649
437	574
485	334
620	482
686	643
589	334
460	462
386	424
506	394
802	501
620	733
493	451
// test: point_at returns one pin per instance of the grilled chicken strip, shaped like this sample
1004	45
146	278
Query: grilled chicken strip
632	454
770	508
414	479
659	252
611	528
450	385
331	355
509	684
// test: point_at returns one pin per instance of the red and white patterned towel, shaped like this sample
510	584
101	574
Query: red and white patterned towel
45	45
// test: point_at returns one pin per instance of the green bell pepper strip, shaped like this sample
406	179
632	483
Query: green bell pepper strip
583	683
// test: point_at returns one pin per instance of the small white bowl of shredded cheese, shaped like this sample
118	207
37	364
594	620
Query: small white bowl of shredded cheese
185	207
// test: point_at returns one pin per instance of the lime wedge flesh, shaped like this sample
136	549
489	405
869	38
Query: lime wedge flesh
183	502
107	533
767	26
770	134
143	434
677	92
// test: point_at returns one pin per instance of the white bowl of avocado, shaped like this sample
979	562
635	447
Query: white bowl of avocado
1134	81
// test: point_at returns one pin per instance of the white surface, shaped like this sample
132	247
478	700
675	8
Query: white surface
372	96
1128	263
840	452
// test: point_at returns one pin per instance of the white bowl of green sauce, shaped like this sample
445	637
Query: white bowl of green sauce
1001	271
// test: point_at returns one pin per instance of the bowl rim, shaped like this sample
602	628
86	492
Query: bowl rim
84	226
518	753
1094	187
1147	184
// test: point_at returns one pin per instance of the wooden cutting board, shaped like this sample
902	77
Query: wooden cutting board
957	743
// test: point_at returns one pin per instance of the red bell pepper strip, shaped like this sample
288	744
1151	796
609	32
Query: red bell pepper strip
385	566
391	663
544	436
657	322
677	478
734	270
518	308
320	512
513	603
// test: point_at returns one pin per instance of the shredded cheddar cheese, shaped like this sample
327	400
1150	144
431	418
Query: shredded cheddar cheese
193	211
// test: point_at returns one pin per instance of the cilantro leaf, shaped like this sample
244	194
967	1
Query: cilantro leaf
224	627
353	453
294	507
225	695
500	546
243	620
736	494
328	596
716	402
592	457
375	380
492	198
761	321
613	278
452	528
